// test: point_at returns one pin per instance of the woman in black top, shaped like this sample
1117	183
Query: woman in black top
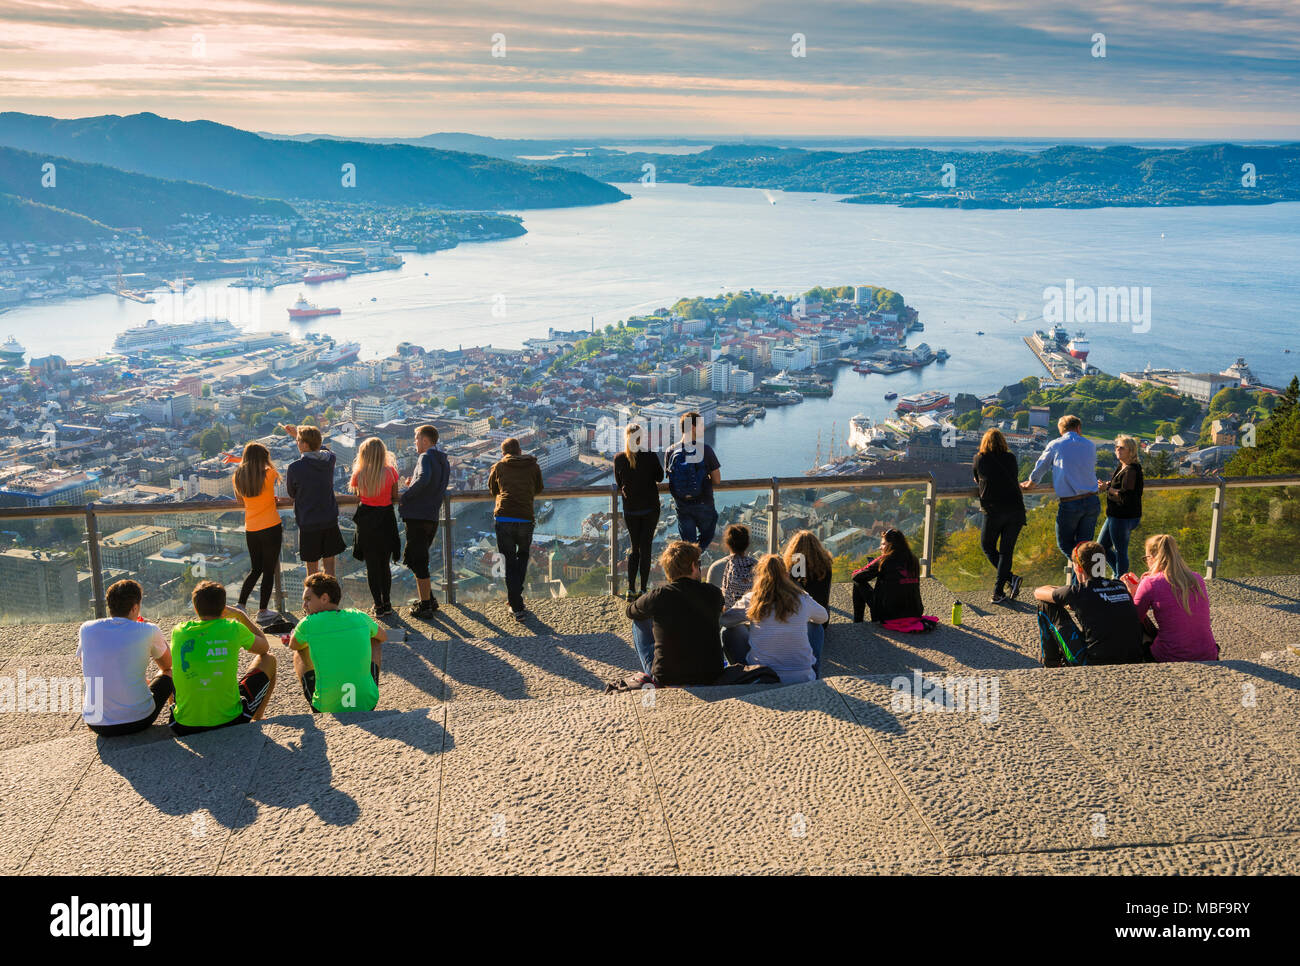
1123	504
638	473
891	583
998	477
809	563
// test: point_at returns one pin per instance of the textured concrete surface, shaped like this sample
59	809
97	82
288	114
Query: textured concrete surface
493	750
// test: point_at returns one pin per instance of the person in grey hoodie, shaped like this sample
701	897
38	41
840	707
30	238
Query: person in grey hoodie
419	505
309	481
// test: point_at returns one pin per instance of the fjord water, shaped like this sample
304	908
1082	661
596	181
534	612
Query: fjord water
1221	279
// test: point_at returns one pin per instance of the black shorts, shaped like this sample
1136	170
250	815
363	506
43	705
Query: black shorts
162	689
252	692
316	545
419	538
308	681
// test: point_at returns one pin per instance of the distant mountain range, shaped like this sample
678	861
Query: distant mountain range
1064	176
91	200
240	161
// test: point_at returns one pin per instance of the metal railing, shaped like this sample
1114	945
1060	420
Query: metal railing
91	513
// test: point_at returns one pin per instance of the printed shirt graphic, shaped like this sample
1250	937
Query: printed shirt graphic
338	643
205	668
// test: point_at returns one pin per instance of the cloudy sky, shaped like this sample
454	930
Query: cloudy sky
1173	68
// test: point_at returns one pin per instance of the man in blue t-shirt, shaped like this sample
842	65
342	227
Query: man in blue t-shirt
693	469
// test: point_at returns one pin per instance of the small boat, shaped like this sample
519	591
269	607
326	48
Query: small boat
891	395
979	332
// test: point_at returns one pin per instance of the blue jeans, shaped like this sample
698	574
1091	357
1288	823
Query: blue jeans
735	643
1114	539
643	639
816	638
1076	521
697	522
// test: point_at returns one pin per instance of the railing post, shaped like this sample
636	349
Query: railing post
92	556
1216	523
774	525
613	541
279	587
927	540
448	562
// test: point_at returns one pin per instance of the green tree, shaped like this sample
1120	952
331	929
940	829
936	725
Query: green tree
451	402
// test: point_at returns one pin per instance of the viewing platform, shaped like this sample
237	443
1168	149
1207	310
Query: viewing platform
494	750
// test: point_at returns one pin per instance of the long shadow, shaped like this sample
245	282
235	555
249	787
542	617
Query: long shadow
885	652
1292	603
300	774
1265	672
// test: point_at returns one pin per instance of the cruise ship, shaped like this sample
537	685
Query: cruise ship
336	354
864	433
923	402
12	353
154	335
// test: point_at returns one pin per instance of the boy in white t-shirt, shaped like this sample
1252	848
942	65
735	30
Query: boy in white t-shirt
115	652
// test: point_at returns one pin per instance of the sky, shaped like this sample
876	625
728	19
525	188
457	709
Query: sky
1215	69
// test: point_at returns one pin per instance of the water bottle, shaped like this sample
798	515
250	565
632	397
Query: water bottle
956	613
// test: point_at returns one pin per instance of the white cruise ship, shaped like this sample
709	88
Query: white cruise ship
154	335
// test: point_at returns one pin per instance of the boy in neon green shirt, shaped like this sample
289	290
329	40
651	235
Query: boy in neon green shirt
336	651
205	665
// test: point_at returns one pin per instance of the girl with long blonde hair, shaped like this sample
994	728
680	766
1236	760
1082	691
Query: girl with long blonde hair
777	611
254	482
375	482
1174	596
810	564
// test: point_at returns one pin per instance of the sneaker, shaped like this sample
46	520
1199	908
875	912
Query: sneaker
383	610
519	615
632	595
1013	586
424	609
998	597
265	616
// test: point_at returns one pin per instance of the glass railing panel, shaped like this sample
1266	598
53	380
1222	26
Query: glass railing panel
1260	535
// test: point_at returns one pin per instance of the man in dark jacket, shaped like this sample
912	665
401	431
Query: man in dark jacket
309	481
675	629
419	506
515	480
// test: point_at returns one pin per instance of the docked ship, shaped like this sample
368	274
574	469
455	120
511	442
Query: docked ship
154	336
1238	370
336	355
923	402
315	278
864	433
12	352
941	355
1078	347
302	309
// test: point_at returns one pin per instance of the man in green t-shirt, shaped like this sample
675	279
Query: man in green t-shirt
205	665
336	651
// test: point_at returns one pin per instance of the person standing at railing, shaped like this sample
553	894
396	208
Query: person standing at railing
638	473
309	481
420	503
515	481
1123	504
1175	595
996	474
255	481
374	481
810	565
693	470
1073	461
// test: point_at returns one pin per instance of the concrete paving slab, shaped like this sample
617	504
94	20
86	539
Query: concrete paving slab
988	770
535	666
34	678
781	780
1260	699
332	800
165	808
564	789
35	781
1186	763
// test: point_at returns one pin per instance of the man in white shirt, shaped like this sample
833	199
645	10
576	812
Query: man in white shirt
115	652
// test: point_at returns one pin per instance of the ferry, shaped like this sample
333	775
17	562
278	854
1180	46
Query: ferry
941	355
791	396
302	309
891	395
923	402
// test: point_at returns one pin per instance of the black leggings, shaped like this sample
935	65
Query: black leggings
379	575
640	550
264	551
998	540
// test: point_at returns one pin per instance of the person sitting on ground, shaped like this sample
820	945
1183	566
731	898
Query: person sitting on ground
778	612
205	665
890	584
734	573
1175	595
810	565
115	652
309	481
1109	630
337	651
675	626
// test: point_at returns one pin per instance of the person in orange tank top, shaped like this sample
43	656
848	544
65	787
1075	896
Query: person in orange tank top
255	480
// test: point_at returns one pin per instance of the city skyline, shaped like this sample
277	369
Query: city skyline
571	69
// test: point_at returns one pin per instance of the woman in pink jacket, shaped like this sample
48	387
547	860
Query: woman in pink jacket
1175	596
